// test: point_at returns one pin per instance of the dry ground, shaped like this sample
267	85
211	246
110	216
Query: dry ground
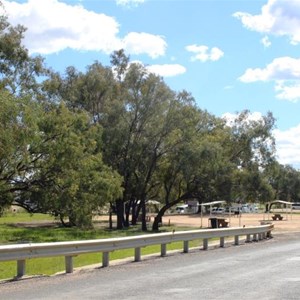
290	222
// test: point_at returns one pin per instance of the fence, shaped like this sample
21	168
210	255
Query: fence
22	252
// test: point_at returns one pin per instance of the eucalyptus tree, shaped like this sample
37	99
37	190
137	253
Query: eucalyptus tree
219	162
50	161
251	140
17	131
285	181
71	181
141	131
97	92
251	147
251	185
18	70
197	168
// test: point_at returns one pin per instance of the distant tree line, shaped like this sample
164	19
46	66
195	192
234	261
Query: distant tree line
119	136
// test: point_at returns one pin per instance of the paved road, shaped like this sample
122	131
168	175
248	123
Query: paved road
269	269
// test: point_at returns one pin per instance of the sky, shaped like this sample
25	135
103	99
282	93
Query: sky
231	55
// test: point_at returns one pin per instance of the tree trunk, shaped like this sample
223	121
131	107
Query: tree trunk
133	214
110	217
158	217
199	208
144	223
267	208
120	213
127	212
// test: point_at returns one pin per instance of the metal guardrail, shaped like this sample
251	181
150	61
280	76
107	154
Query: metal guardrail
22	252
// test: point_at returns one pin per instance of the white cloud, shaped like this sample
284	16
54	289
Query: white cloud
230	118
266	41
282	68
285	71
288	91
139	43
129	3
167	70
203	53
54	26
288	146
277	17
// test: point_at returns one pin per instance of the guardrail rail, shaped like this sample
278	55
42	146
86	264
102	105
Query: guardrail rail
22	252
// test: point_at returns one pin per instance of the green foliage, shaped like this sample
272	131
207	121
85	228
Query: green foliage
17	132
50	156
18	70
72	179
285	181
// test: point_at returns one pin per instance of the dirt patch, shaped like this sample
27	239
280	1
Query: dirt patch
39	224
290	222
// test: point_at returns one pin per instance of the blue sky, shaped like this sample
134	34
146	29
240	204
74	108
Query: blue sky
230	54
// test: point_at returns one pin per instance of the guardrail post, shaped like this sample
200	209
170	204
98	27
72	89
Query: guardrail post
137	254
205	244
163	250
222	242
105	259
260	236
21	267
236	240
69	264
255	237
248	238
185	246
264	235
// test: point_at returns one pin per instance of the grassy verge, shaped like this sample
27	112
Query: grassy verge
19	228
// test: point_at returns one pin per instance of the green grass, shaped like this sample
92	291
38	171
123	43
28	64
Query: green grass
24	217
17	228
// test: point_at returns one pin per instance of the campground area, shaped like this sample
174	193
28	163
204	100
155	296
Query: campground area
289	223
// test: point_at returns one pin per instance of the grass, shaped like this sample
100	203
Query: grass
24	217
17	228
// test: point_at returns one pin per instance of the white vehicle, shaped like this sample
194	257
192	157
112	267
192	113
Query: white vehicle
296	205
220	210
214	210
181	209
245	208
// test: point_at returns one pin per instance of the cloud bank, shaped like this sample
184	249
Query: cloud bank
53	26
277	17
284	71
288	146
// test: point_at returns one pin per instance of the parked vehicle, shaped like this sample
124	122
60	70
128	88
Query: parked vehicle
218	210
296	205
181	209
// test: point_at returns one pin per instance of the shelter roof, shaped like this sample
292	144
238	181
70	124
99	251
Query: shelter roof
281	201
213	203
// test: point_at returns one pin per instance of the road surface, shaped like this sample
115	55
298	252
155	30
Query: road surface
269	269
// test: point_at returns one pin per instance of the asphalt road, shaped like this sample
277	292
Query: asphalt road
269	269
